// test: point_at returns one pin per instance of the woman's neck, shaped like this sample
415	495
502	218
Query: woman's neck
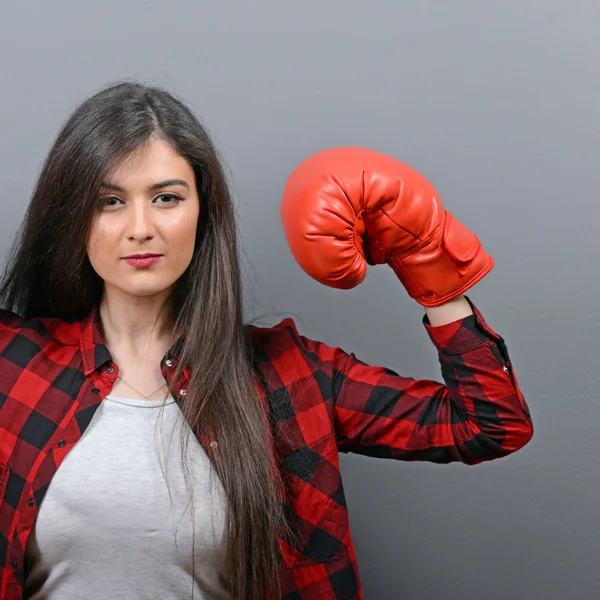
136	325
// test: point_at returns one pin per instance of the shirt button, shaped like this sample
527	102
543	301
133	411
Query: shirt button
31	501
169	362
110	369
182	392
95	391
14	564
61	443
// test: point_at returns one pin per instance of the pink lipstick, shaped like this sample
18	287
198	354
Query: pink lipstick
142	260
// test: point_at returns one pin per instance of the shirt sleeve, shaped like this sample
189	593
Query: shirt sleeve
476	414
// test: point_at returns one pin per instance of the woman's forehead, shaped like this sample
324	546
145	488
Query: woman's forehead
155	160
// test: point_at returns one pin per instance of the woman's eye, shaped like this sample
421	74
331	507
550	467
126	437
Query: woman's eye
112	201
109	201
168	198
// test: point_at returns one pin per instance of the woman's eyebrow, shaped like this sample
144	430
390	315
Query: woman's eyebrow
169	182
155	186
111	186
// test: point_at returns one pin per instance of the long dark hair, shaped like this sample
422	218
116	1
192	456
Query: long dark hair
49	275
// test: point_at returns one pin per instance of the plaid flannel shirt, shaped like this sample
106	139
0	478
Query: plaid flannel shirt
322	400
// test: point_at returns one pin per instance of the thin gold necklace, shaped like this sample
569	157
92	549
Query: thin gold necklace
138	391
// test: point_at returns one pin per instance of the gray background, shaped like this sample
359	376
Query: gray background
498	103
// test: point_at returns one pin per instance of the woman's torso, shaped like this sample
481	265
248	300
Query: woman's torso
111	527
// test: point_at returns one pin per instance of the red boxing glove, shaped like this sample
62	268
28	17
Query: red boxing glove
345	208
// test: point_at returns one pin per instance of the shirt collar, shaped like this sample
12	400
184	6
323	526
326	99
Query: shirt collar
94	351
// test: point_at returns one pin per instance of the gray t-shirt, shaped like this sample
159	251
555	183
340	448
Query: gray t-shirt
107	527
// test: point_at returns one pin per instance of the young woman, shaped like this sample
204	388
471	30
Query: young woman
152	445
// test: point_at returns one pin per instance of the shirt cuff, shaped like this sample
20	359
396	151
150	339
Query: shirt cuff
463	335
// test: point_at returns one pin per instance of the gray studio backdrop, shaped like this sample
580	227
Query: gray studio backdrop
498	103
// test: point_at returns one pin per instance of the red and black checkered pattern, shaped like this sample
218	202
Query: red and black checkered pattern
322	400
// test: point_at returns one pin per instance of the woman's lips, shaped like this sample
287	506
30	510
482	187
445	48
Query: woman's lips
142	261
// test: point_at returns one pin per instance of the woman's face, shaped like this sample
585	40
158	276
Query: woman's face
144	232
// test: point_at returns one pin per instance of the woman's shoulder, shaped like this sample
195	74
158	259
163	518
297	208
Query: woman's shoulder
11	322
285	330
273	341
37	330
